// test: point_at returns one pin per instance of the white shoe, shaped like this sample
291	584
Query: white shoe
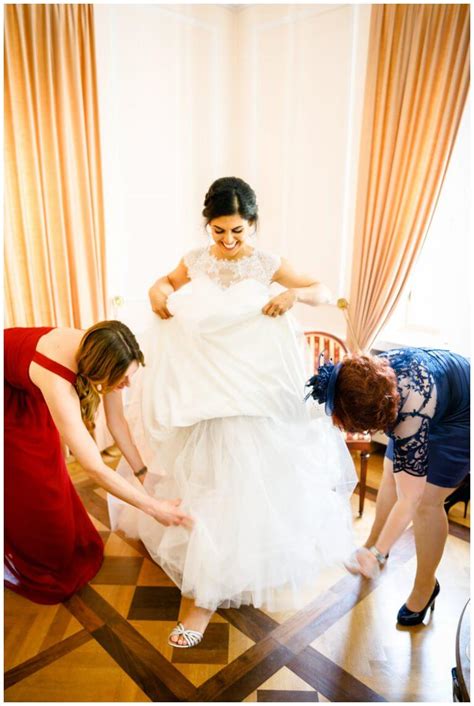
192	637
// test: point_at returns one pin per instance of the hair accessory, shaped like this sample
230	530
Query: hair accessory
323	384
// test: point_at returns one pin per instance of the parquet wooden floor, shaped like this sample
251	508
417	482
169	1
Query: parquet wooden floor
109	642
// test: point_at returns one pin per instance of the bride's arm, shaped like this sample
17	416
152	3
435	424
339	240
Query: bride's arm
300	288
306	288
164	286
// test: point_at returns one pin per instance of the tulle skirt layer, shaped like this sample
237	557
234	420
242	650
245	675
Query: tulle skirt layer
271	507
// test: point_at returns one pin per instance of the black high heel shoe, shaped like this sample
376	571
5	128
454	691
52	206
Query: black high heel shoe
409	617
462	494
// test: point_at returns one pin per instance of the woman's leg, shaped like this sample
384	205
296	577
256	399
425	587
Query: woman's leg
192	617
386	498
431	530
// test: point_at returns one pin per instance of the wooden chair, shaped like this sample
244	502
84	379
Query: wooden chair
335	349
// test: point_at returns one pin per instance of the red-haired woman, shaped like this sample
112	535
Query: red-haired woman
420	398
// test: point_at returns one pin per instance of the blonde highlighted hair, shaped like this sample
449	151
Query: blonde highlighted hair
105	353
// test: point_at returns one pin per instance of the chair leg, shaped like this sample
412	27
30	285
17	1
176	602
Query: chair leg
364	457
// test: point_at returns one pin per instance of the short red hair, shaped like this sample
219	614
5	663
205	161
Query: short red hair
366	396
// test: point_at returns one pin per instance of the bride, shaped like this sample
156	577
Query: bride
220	407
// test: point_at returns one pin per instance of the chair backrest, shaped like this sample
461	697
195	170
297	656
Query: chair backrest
319	342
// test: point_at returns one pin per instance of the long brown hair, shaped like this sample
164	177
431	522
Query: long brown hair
105	352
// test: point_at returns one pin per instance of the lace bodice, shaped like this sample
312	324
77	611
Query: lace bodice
260	266
418	400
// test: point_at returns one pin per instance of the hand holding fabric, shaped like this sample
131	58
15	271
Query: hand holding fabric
280	304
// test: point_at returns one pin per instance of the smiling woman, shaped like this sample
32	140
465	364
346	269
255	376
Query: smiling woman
221	405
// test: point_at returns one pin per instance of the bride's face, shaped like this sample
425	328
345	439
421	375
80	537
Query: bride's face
230	234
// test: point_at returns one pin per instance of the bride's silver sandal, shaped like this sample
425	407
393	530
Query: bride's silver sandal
192	637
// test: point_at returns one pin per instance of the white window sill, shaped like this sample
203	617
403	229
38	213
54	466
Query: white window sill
415	338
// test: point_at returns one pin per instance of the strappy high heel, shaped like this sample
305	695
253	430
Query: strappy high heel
409	617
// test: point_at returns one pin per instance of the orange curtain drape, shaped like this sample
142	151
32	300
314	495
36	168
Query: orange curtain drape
417	83
54	223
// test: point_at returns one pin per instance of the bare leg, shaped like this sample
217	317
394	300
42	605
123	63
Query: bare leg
386	499
431	530
192	617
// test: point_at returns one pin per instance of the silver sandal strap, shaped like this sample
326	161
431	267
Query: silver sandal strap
192	637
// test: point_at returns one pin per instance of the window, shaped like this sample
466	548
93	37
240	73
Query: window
434	308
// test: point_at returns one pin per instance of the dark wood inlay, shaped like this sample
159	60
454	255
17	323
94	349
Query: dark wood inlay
330	680
459	531
132	659
154	674
155	603
82	612
246	673
273	696
251	621
26	669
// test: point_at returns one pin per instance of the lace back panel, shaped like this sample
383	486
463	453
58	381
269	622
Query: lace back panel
418	399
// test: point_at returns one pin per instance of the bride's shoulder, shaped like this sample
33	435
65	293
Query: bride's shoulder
270	261
192	257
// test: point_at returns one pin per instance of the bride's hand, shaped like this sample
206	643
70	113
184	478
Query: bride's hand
159	302
168	513
280	304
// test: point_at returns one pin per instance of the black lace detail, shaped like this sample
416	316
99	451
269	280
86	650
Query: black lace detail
417	390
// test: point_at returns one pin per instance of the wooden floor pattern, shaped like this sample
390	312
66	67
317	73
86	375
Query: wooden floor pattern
109	642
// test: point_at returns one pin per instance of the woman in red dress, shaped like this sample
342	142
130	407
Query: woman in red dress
53	381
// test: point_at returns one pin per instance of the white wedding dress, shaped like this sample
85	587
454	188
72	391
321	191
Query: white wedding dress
219	409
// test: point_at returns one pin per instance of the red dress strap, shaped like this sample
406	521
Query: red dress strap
54	367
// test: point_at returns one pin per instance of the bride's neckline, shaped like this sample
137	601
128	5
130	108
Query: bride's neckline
230	259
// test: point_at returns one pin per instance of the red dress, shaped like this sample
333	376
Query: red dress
51	546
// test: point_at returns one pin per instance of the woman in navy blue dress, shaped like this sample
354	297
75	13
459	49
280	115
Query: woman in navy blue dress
420	398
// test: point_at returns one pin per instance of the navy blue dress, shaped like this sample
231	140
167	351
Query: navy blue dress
431	436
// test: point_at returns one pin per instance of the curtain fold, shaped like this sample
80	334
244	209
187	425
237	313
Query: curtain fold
54	222
417	83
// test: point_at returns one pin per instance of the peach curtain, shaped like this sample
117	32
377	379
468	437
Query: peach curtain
417	83
54	223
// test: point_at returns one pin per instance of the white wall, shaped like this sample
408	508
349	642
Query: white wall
270	93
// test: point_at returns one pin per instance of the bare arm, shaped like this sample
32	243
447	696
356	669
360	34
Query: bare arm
164	286
120	430
64	407
300	288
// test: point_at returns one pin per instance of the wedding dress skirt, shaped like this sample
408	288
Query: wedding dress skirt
219	417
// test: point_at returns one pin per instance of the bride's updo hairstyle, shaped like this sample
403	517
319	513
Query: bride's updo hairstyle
105	352
366	397
227	197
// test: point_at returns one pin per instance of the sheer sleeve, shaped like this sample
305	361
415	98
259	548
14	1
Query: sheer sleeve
191	260
270	264
418	394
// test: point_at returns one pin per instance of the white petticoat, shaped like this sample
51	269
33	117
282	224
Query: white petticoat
269	493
